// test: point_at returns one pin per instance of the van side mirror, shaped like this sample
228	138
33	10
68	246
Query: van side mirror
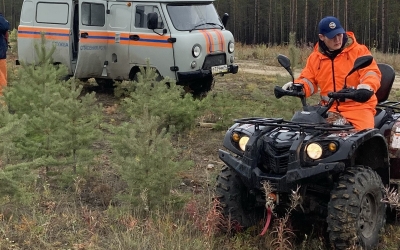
152	20
225	18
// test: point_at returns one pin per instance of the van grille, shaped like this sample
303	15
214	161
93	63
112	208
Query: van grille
214	60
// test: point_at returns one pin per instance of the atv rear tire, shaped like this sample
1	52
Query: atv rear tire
238	205
355	211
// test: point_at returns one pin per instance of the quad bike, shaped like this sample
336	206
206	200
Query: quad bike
341	172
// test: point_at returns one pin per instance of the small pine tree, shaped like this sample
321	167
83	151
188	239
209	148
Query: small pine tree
163	99
62	124
81	122
148	162
293	50
12	130
12	175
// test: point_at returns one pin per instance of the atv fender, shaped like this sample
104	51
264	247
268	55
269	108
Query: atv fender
374	153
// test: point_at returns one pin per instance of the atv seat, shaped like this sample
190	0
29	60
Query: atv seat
383	92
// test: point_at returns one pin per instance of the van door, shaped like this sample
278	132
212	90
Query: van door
93	39
54	21
147	44
119	25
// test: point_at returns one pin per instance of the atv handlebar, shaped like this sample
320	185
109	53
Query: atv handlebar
297	91
343	94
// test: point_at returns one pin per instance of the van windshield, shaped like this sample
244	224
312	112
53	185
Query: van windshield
194	16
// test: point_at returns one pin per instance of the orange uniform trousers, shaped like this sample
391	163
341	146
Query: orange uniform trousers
360	119
3	74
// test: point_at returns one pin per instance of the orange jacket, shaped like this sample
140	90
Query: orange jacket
327	75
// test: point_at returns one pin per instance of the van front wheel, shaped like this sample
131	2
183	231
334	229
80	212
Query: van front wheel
105	83
201	87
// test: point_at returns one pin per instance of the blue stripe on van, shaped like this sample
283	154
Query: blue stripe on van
101	37
153	40
46	33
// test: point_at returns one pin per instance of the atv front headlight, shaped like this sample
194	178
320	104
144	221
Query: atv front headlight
243	142
314	151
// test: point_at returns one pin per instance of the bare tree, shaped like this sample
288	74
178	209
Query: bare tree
255	30
270	22
306	22
383	27
345	15
337	8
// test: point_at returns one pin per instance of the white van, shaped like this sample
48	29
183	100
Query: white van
108	40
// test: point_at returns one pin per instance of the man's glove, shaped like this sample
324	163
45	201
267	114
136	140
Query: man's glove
287	86
362	95
358	95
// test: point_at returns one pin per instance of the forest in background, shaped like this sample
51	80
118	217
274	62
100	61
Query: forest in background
376	23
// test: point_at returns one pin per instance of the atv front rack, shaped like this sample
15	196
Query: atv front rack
280	122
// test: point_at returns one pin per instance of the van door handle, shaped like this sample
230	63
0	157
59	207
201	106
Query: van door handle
134	37
84	35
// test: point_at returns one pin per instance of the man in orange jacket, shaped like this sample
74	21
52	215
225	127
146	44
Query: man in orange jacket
327	66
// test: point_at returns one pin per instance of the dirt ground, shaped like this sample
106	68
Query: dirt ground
255	67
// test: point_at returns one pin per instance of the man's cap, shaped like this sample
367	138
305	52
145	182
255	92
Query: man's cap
330	26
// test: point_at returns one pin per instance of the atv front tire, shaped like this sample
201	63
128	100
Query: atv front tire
355	211
238	205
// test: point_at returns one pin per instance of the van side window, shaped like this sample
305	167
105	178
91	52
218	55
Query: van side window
57	15
93	14
141	16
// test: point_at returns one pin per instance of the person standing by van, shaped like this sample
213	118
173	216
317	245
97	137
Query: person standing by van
4	27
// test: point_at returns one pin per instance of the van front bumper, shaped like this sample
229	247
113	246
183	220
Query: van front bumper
203	73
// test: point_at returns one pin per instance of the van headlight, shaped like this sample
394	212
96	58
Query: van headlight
314	151
231	47
196	50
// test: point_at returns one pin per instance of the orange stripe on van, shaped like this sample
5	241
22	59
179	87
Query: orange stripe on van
151	44
49	33
221	39
93	36
208	41
147	40
92	40
43	29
